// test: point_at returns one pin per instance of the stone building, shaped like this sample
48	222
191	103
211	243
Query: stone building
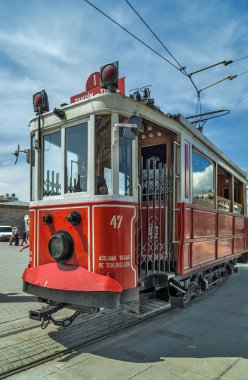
12	214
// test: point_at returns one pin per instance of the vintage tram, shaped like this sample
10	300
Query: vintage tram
126	199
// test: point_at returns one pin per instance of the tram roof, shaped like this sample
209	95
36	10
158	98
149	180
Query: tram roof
122	104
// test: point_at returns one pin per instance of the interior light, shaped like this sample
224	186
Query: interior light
159	134
149	128
151	135
143	136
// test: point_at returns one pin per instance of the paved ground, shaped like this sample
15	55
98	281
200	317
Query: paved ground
14	304
206	340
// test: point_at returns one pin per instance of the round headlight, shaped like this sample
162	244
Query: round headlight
61	246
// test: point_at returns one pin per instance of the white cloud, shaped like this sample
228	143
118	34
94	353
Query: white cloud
57	45
203	181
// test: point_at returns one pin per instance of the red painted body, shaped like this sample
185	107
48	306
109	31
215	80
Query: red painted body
71	278
207	236
105	247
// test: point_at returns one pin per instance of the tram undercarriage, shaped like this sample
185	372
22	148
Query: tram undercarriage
176	290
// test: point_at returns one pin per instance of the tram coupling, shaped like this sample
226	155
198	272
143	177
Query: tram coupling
45	316
45	312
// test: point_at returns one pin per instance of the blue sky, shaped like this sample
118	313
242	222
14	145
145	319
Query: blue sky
55	45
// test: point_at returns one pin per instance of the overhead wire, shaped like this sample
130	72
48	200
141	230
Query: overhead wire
133	35
183	68
244	72
180	68
240	59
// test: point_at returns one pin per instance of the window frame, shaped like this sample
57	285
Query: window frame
62	129
65	159
43	164
213	163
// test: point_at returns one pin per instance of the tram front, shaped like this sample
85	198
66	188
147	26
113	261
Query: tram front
83	209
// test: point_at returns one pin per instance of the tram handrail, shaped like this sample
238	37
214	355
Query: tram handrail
175	178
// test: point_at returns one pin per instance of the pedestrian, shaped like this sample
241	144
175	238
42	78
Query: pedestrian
12	239
24	238
24	247
16	235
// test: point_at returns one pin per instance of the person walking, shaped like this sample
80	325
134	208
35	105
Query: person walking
24	247
24	238
12	239
16	235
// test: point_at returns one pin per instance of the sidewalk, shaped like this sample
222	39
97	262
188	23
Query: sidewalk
14	303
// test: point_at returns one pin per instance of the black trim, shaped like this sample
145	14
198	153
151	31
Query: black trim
79	299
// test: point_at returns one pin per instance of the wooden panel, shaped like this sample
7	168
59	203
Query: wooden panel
225	247
186	255
187	223
239	224
202	252
225	224
204	224
239	244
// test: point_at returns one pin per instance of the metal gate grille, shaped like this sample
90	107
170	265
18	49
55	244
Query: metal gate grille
155	217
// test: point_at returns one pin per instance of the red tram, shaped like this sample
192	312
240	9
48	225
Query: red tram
126	199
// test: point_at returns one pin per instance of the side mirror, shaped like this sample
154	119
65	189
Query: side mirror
30	156
131	128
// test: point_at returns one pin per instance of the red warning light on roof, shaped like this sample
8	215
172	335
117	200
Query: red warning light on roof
94	86
109	75
37	100
40	102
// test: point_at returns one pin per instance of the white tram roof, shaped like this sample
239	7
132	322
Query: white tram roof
104	103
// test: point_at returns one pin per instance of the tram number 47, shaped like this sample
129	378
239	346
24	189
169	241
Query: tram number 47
116	221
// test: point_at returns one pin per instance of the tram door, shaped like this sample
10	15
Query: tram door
155	209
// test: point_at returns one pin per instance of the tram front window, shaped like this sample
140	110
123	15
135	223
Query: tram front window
32	164
125	162
103	169
76	152
52	164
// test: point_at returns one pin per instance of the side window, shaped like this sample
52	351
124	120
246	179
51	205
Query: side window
125	162
238	205
52	164
76	153
103	169
32	173
203	179
224	190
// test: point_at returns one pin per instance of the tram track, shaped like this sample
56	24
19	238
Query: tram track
24	324
18	330
28	353
87	329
